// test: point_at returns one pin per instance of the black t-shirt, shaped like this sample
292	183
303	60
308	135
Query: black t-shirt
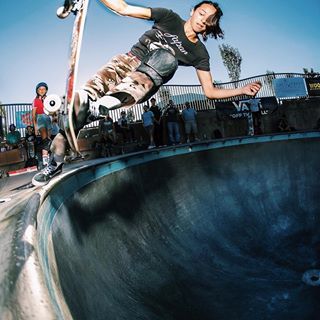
30	137
172	114
107	125
123	122
168	32
156	111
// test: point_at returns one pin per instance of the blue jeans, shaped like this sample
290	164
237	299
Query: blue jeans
174	133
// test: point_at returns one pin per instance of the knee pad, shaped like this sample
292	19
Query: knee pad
160	65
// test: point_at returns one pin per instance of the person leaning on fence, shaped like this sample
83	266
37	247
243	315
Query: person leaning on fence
135	76
189	116
148	124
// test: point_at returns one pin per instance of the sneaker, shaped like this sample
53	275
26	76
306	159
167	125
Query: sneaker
151	146
107	103
44	176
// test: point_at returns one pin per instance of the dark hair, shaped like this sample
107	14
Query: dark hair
213	22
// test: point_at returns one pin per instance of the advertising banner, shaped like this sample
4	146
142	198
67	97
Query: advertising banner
313	86
242	109
289	87
23	119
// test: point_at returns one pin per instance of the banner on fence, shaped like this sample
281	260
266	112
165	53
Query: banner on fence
289	87
313	86
243	109
23	119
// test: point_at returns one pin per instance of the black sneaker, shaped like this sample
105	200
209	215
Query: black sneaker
44	176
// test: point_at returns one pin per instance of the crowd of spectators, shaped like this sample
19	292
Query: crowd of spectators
167	125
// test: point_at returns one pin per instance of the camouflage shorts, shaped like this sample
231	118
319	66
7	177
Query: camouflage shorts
119	75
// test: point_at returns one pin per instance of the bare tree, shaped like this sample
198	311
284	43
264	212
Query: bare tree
232	61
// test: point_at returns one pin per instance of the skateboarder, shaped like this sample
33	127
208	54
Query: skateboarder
135	76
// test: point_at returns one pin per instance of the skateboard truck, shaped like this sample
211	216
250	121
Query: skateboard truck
68	7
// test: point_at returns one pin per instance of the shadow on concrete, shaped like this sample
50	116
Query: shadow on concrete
223	234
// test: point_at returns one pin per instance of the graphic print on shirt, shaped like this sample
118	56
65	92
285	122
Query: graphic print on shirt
166	41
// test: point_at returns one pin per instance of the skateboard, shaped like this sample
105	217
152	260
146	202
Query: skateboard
79	8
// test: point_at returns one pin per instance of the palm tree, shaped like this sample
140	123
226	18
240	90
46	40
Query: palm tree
311	73
268	81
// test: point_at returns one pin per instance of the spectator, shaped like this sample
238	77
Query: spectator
158	123
125	129
172	114
30	135
107	134
190	122
283	124
256	115
13	137
130	116
106	128
30	140
41	121
148	120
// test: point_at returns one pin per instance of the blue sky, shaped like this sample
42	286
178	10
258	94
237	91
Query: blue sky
276	35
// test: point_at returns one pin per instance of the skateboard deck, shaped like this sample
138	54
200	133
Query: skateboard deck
79	8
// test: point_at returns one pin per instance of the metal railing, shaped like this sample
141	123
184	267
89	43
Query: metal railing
267	89
14	113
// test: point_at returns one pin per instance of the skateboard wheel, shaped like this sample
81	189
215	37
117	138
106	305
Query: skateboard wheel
62	13
52	104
